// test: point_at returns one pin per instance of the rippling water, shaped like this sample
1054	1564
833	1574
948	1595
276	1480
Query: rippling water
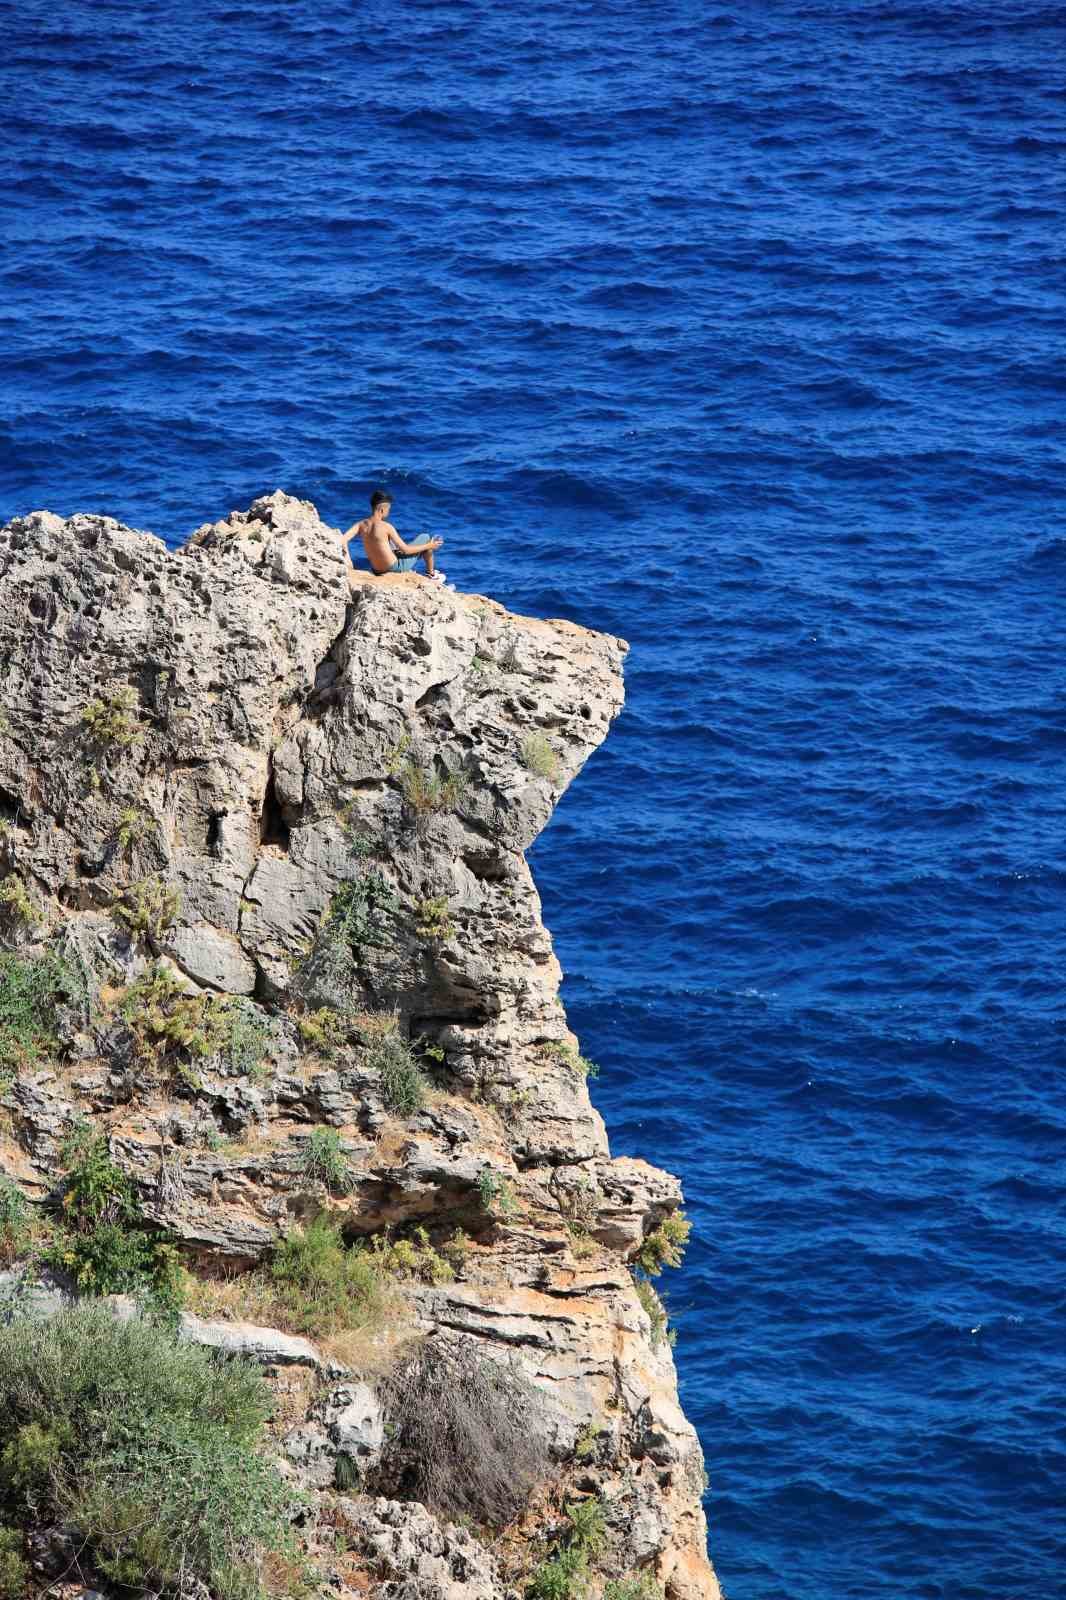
736	330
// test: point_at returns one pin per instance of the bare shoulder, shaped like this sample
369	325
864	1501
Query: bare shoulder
358	527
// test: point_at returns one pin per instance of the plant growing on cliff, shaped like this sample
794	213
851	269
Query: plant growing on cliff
171	1026
538	757
15	902
133	827
403	1085
325	1163
465	1435
111	723
32	989
495	1193
426	790
638	1586
147	909
321	1285
324	1031
20	1229
570	1057
103	1240
565	1574
149	1446
665	1245
432	920
655	1311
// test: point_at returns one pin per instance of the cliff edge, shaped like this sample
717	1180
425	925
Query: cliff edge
264	883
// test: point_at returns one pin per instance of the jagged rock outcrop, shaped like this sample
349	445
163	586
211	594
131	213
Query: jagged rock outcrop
237	768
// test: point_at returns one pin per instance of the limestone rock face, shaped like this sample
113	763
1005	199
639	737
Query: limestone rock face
245	774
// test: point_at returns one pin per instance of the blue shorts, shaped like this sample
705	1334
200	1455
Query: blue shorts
403	563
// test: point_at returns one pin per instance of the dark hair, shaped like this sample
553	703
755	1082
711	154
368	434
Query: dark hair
380	497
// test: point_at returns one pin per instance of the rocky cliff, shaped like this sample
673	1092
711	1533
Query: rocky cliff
264	878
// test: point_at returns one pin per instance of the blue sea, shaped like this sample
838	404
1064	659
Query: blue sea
736	329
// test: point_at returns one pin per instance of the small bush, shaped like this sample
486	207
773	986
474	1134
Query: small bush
642	1587
133	827
570	1057
564	1576
324	1162
356	909
17	1223
432	920
111	723
466	1437
324	1031
665	1246
415	1258
495	1193
154	1457
16	904
655	1311
538	757
323	1286
31	990
14	1568
173	1026
147	909
403	1086
103	1240
249	1036
427	790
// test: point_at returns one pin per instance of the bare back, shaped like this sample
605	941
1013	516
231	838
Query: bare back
377	542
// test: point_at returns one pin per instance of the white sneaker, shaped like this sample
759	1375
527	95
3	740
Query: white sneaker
438	577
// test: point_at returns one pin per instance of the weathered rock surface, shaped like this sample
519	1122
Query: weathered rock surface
202	756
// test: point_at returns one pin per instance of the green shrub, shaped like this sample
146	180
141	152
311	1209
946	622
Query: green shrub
31	990
103	1239
110	722
588	1527
133	826
173	1026
538	757
321	1284
324	1162
655	1311
403	1085
495	1193
432	920
147	909
564	1576
355	921
665	1245
356	909
642	1587
155	1459
248	1037
570	1057
14	1568
16	1223
16	904
324	1031
426	790
415	1258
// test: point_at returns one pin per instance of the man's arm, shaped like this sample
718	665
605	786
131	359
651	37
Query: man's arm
412	549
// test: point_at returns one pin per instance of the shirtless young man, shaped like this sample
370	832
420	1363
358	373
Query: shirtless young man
385	550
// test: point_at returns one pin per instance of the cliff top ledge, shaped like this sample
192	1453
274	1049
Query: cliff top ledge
262	869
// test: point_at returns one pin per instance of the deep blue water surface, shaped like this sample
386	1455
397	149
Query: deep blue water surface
736	329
